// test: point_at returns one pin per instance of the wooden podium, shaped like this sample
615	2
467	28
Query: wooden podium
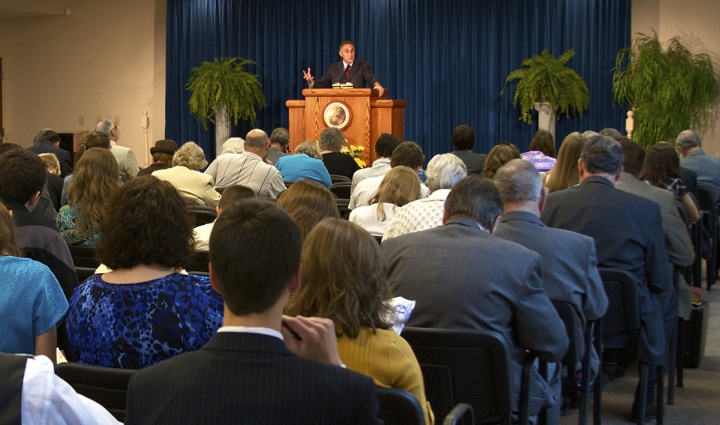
359	113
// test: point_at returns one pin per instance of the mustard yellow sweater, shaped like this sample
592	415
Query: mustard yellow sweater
388	359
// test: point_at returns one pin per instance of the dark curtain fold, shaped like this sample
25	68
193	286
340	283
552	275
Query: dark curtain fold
448	59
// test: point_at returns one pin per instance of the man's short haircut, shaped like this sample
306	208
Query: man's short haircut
611	133
309	148
688	139
444	171
344	43
50	160
235	193
408	154
254	251
233	145
463	137
105	126
22	174
385	145
633	156
8	147
518	181
475	197
256	138
602	154
280	136
46	135
331	139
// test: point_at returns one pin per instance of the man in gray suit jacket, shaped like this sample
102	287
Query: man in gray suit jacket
568	259
462	277
261	366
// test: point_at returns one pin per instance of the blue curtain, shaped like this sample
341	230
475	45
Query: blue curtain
448	59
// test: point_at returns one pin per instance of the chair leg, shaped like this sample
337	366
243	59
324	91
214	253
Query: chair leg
641	398
672	365
585	379
659	405
597	392
680	352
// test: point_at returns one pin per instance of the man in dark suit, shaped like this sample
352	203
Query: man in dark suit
462	277
48	141
247	373
568	259
627	233
348	70
463	140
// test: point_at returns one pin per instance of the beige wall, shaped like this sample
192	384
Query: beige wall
106	59
697	21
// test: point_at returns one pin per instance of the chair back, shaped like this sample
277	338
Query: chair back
574	330
106	386
338	178
199	261
465	366
84	272
399	407
202	215
83	256
341	189
621	322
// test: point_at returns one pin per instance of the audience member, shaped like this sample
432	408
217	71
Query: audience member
305	164
308	202
48	141
567	259
144	310
463	140
499	155
462	277
249	168
279	144
230	195
248	369
694	158
625	229
443	172
162	155
565	172
399	187
384	147
22	176
233	145
125	156
54	182
96	177
662	169
407	154
345	279
196	187
331	141
94	139
32	300
611	133
542	151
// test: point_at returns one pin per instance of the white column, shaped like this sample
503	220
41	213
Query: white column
546	117
222	128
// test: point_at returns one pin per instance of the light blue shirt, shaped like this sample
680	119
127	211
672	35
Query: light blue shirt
298	167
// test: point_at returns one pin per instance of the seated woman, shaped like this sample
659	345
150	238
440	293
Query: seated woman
662	169
542	151
31	299
400	186
198	188
306	163
308	202
94	139
499	155
331	142
96	177
143	311
565	172
345	279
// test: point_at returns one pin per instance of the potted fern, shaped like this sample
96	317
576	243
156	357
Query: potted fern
221	90
671	89
546	83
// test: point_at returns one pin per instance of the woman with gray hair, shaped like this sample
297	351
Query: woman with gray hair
194	186
305	164
331	141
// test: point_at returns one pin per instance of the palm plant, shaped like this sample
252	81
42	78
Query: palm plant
543	78
671	90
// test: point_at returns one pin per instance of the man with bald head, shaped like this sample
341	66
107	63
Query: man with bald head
249	168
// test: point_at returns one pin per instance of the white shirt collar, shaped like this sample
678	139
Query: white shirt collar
252	330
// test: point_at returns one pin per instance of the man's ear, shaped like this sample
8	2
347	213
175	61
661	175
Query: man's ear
295	283
32	202
213	279
543	198
495	222
581	169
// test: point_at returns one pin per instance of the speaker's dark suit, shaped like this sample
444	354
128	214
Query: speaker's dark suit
360	74
628	235
249	379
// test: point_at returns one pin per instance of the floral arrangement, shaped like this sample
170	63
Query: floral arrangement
355	152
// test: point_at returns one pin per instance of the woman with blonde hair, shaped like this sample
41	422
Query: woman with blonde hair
400	186
31	299
345	279
565	172
96	177
499	155
95	139
198	188
308	202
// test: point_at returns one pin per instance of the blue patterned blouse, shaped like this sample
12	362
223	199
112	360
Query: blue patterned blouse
137	325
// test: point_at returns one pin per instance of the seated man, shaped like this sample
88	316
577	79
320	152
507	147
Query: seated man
568	259
462	277
694	158
443	172
384	147
230	195
260	367
463	140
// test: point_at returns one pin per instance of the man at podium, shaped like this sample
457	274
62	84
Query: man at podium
348	70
